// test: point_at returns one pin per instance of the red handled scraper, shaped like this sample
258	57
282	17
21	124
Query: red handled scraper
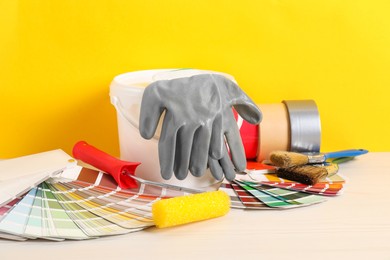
120	170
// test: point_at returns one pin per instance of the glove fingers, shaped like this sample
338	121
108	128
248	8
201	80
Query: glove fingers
222	167
227	167
236	147
249	111
215	168
166	147
217	141
184	141
244	105
200	151
151	110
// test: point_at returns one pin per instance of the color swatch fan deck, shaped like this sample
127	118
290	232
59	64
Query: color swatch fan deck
80	203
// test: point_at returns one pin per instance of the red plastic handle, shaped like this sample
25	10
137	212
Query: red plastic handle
116	168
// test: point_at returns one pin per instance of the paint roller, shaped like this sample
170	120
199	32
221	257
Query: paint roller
167	212
120	170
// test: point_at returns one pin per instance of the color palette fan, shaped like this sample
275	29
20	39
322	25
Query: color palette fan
82	203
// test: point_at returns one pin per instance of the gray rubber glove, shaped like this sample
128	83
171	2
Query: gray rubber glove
198	117
222	167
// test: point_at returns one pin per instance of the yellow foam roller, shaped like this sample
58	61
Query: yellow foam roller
190	208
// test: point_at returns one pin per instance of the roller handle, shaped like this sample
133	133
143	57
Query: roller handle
346	153
118	169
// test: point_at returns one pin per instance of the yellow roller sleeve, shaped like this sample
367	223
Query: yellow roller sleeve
190	208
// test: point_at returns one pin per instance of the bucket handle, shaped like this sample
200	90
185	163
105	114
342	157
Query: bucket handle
122	111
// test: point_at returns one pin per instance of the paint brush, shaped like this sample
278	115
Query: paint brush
285	159
308	174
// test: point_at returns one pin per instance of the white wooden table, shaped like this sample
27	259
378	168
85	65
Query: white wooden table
355	225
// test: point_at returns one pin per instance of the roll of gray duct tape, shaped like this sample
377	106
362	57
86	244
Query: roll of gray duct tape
305	125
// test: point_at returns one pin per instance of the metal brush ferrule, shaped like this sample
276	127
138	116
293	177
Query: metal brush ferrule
317	158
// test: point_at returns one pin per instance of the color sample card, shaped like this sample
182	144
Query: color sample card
7	207
15	221
34	226
3	212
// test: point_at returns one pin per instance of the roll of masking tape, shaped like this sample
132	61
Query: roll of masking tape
305	125
274	131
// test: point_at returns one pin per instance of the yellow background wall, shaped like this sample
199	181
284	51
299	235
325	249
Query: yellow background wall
57	59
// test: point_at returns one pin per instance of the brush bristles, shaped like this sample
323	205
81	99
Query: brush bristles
288	159
306	174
